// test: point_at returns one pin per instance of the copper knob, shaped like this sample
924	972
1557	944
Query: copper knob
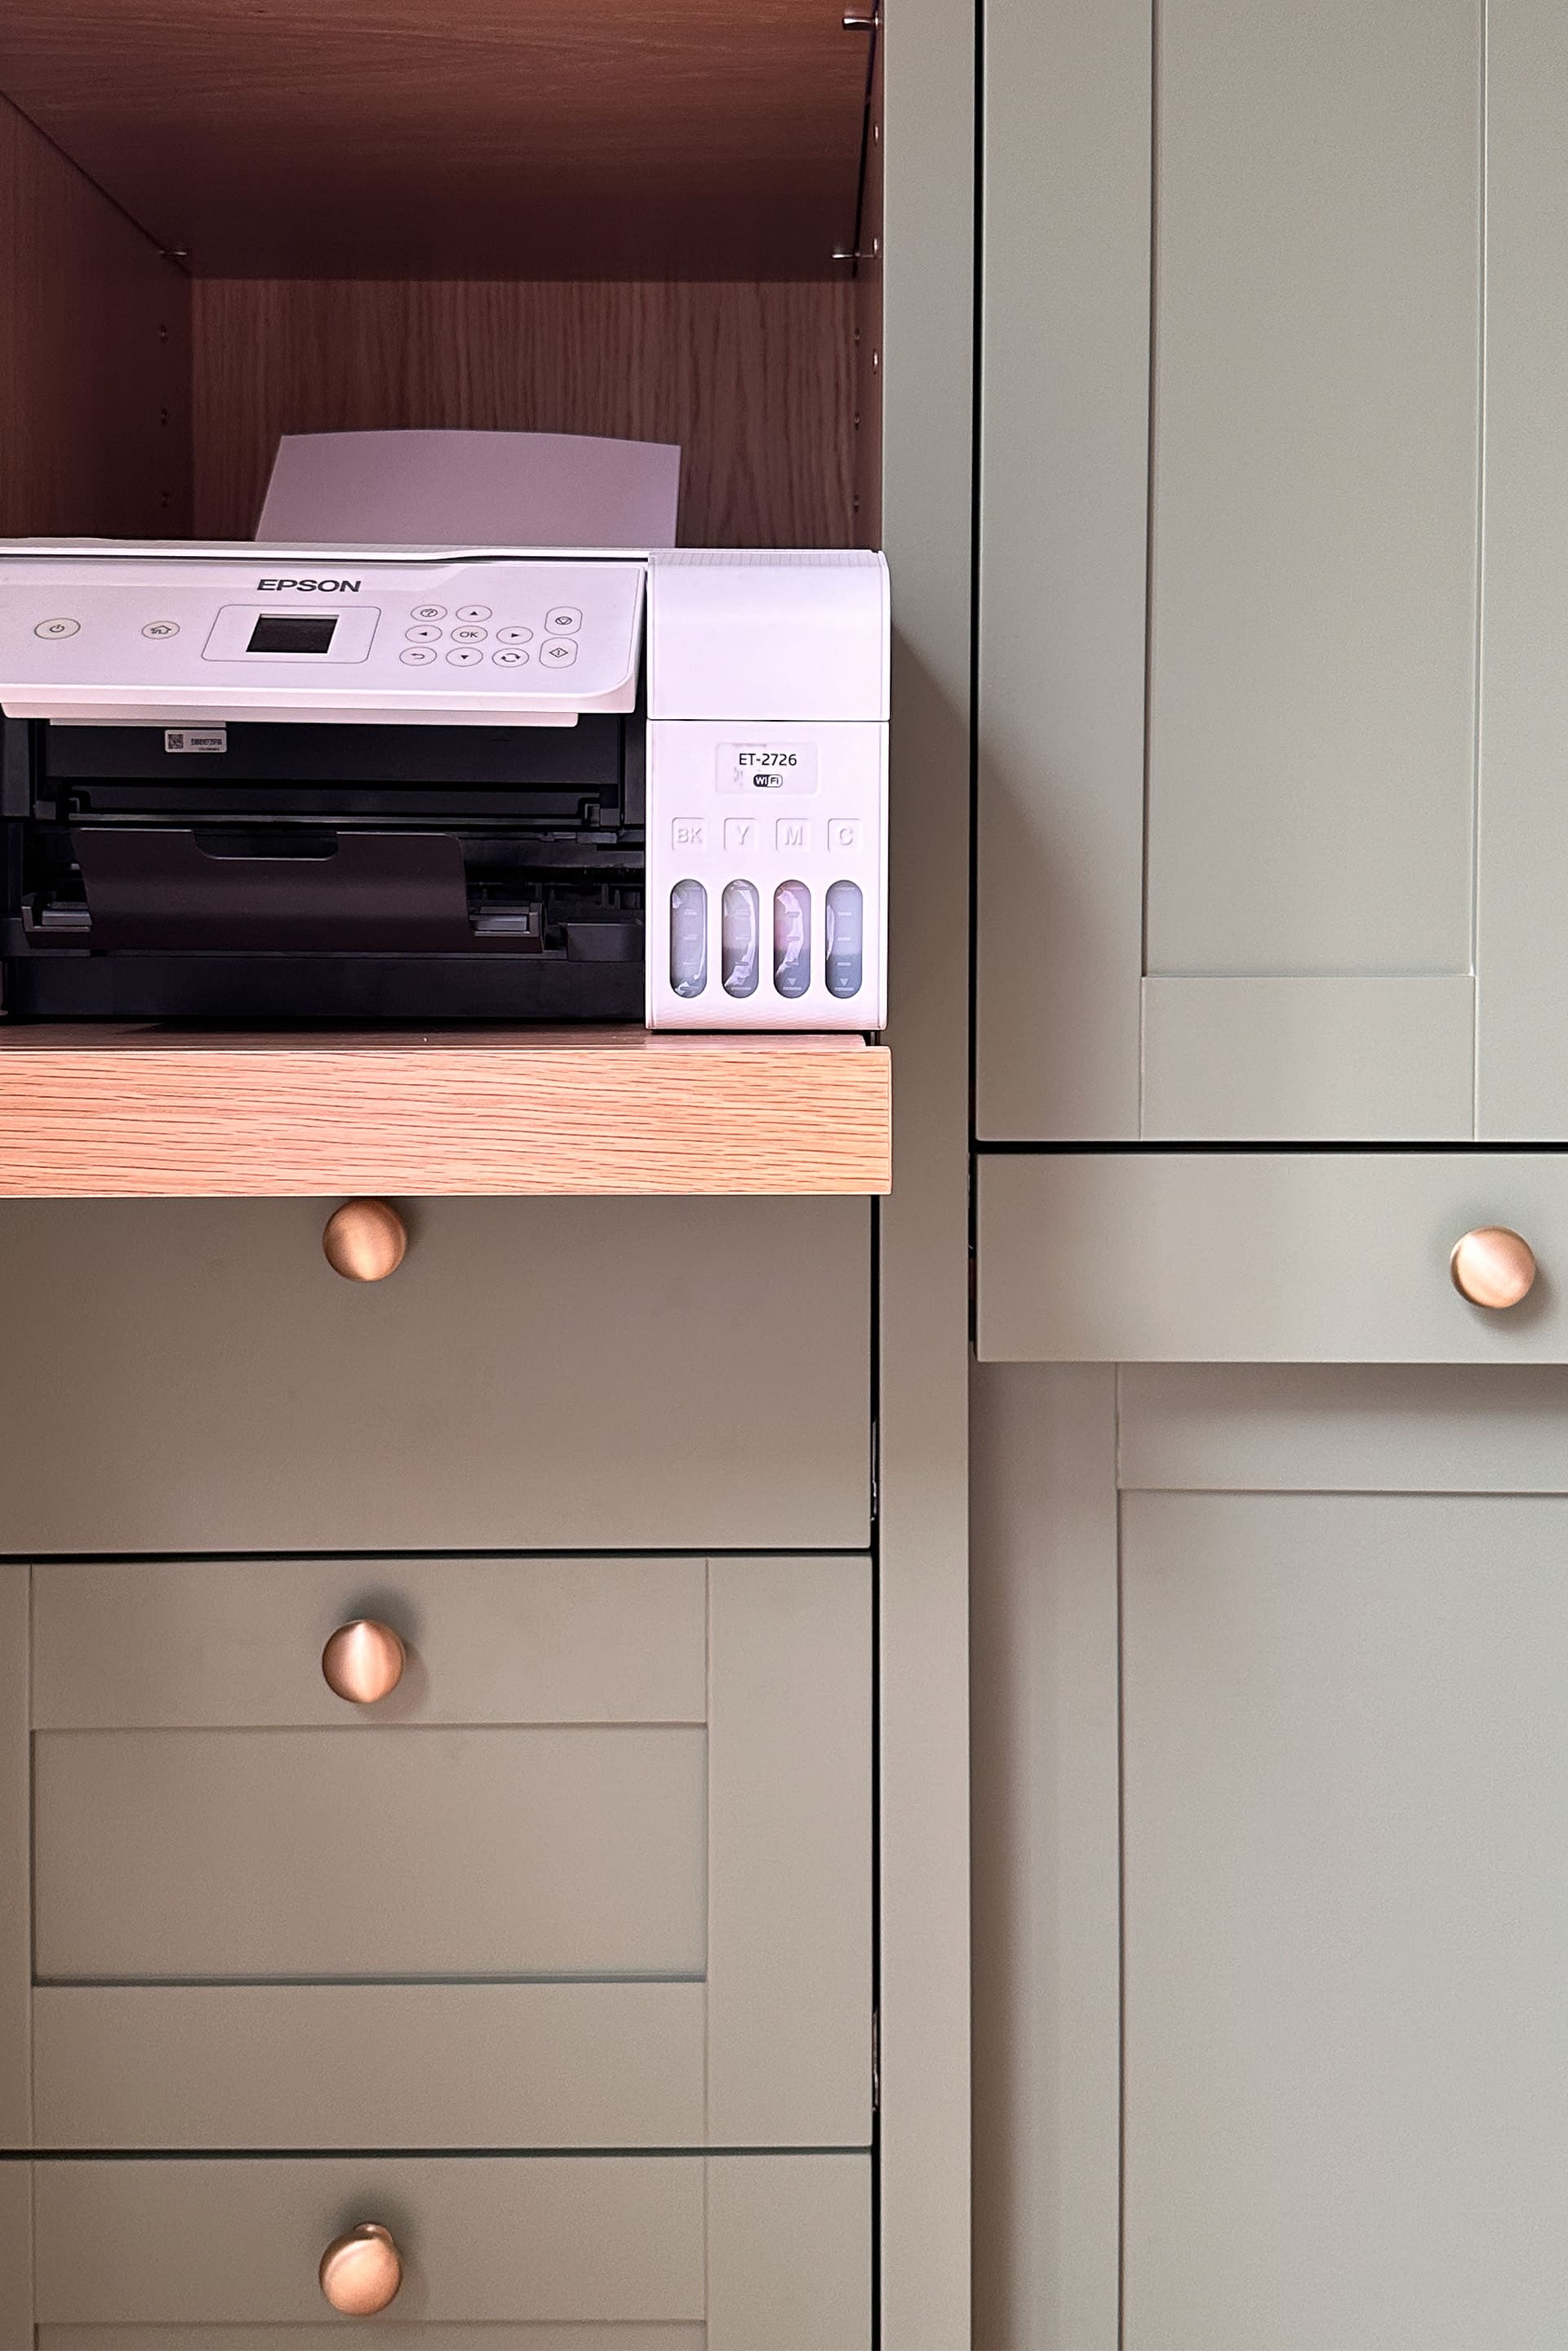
365	1240
363	1661
1492	1267
361	2272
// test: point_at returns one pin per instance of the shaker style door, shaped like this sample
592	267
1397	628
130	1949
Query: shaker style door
1271	2044
595	1871
1272	839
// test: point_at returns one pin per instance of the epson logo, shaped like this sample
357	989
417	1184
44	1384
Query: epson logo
318	587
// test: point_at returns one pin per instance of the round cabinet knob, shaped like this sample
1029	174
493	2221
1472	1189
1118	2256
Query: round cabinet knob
363	1661
361	2272
1492	1267
365	1240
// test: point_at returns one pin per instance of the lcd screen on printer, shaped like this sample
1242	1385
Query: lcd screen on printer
293	633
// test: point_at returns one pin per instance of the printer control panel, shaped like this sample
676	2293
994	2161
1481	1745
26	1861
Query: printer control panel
481	640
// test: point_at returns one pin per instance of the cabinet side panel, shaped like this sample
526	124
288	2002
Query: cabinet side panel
95	357
1064	377
1313	589
923	1587
1523	1079
1046	1837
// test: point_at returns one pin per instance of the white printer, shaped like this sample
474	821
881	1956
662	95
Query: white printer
257	781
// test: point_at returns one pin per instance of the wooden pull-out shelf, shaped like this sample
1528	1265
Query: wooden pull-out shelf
135	1111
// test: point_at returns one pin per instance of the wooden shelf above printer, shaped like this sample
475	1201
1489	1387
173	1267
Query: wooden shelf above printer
144	1111
629	139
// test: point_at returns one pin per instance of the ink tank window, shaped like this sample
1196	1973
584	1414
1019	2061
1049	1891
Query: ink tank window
534	222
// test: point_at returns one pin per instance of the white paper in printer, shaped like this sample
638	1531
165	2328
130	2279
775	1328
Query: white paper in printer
471	489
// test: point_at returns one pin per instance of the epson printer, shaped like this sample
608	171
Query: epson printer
258	781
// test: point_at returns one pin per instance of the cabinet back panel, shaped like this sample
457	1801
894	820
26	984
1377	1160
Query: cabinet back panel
755	382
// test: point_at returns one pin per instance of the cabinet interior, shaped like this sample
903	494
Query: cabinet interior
220	226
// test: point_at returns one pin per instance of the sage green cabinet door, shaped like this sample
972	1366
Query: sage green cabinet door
1272	841
1345	1803
1271	1794
597	1873
191	1377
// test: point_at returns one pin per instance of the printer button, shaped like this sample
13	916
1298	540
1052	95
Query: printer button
473	612
560	652
510	656
430	612
514	636
161	629
57	628
465	654
564	620
469	636
414	654
844	833
422	636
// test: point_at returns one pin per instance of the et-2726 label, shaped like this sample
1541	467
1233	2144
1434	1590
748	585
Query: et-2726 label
767	767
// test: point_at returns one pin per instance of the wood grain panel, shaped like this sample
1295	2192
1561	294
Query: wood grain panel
633	137
753	380
94	356
112	1111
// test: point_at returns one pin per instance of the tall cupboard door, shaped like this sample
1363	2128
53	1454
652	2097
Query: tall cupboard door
1272	842
1276	1770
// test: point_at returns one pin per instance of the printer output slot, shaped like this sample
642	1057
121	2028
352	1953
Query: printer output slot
272	889
148	888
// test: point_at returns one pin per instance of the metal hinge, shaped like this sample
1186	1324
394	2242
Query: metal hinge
875	1468
875	2062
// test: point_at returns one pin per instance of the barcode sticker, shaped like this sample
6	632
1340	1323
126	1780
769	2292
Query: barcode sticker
212	741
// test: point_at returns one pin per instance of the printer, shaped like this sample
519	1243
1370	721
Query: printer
290	782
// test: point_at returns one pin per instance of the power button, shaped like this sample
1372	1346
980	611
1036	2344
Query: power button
56	628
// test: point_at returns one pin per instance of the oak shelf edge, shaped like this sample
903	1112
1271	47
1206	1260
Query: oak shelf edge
140	1112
